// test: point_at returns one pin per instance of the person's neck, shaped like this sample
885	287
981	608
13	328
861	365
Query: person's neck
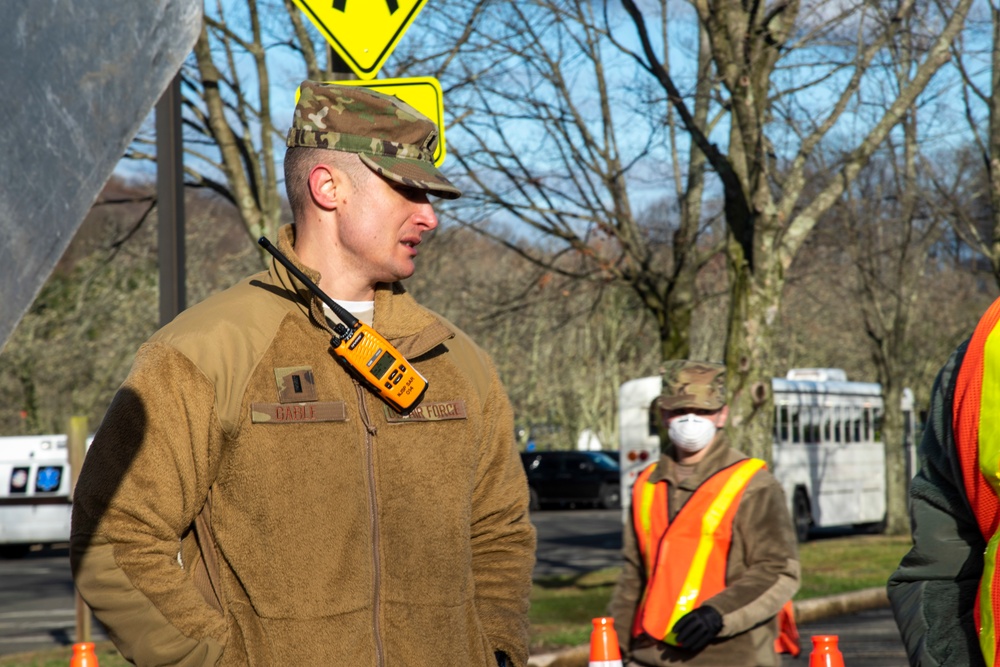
691	458
341	288
336	278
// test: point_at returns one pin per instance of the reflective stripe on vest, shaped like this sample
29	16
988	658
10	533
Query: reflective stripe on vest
976	429
684	560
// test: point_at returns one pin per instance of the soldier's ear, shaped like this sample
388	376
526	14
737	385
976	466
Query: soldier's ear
323	184
720	419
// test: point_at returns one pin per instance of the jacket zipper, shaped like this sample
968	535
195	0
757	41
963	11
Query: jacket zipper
370	431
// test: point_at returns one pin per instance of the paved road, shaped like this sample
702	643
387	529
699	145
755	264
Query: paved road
866	639
37	602
576	541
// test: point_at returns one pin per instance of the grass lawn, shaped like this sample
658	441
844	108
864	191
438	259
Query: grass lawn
845	564
106	653
562	607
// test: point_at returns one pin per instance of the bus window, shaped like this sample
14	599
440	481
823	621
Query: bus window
836	424
856	423
850	423
781	423
796	425
654	418
827	418
877	425
815	420
866	424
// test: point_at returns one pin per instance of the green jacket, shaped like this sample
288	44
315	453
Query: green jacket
933	592
762	571
222	519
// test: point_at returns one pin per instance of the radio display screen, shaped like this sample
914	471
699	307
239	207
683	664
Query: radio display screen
383	364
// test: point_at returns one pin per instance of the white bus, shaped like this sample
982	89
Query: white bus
34	492
829	456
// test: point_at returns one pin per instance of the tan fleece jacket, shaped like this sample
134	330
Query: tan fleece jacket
762	571
246	502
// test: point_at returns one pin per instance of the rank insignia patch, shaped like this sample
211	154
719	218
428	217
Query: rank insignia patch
296	384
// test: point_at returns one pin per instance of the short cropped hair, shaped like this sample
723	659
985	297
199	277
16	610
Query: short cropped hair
300	160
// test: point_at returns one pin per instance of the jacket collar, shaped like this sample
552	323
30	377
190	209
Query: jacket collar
413	329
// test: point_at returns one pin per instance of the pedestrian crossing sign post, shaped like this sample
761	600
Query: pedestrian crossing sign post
423	93
363	32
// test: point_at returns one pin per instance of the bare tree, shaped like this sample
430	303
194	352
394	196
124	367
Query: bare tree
562	347
558	138
979	226
775	129
890	235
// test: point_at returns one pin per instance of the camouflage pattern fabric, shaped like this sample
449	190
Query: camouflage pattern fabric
392	138
693	384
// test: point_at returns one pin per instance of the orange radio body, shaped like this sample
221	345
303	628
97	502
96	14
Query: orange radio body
363	351
381	366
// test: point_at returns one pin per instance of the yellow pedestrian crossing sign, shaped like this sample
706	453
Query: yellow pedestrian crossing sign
363	32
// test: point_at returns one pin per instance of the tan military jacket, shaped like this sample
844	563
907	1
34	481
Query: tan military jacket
338	533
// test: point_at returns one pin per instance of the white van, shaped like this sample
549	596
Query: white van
34	492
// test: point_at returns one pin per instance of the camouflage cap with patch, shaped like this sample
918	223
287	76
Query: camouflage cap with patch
693	384
392	138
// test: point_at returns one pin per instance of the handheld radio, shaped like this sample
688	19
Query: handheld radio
364	351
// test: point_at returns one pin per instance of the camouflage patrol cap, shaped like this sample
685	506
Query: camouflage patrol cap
392	138
693	384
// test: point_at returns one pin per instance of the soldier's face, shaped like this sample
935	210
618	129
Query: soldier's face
382	223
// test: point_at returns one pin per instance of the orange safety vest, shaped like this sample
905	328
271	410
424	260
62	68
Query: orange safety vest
976	429
684	560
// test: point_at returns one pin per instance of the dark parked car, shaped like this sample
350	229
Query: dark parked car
573	478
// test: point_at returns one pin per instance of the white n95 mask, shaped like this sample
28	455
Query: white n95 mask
691	432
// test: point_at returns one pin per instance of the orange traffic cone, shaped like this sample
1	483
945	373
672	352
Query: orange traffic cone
604	651
825	652
83	655
787	640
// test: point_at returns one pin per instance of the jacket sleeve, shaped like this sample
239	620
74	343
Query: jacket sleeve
144	480
933	591
503	538
628	589
772	575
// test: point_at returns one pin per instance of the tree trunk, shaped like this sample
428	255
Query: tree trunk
675	341
897	516
754	302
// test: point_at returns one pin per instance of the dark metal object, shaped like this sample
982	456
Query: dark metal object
78	78
337	68
170	201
